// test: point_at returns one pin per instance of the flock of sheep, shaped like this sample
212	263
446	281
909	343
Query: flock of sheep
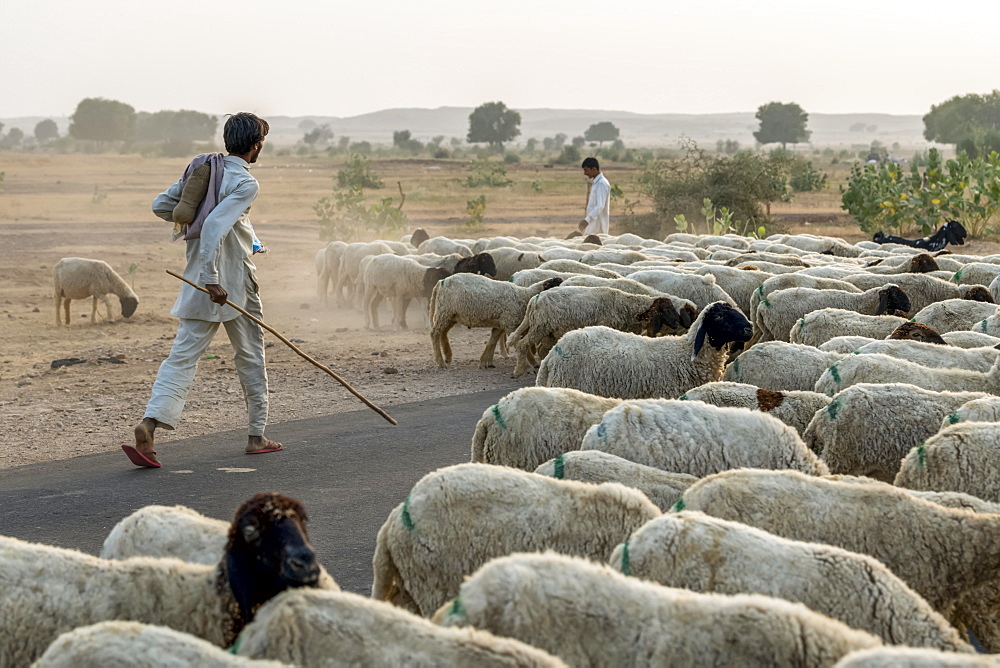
738	451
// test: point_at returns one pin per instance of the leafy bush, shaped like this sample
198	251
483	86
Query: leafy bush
803	177
344	216
570	156
511	158
357	173
486	174
476	209
888	198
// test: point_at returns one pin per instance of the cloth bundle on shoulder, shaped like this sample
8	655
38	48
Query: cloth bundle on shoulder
202	186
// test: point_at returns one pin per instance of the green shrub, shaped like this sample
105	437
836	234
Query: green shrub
570	156
357	173
511	158
486	174
475	209
345	216
803	177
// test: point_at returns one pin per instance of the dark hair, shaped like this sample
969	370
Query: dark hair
243	131
590	162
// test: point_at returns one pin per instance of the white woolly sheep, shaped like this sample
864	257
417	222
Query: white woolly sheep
781	366
875	368
977	273
550	315
844	344
702	290
528	277
986	409
910	657
868	428
793	407
818	244
326	273
603	361
457	518
699	439
589	615
781	309
574	267
953	315
444	246
396	279
561	253
139	646
959	458
626	285
933	354
963	339
921	263
923	290
835	271
769	267
349	272
691	550
728	241
940	552
795	280
477	301
507	434
662	487
785	259
818	327
511	260
740	284
319	628
79	278
45	591
595	257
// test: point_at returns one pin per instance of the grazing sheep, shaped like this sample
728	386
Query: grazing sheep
794	280
550	315
876	368
781	366
45	591
794	407
137	645
574	267
589	615
79	278
507	434
625	285
963	339
923	290
959	458
320	628
940	552
818	327
477	301
459	517
909	657
699	439
955	314
702	290
783	308
691	550
933	354
396	279
480	263
868	428
602	361
740	284
662	487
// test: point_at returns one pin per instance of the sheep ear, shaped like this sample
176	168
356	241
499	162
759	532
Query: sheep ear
688	315
883	302
250	532
699	340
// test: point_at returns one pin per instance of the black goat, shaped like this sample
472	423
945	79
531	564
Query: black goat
952	232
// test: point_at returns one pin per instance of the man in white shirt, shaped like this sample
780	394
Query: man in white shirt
598	215
220	259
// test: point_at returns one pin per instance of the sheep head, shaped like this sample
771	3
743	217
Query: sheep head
431	278
418	237
480	263
721	324
978	293
551	283
661	314
267	552
891	298
592	239
923	264
914	331
129	305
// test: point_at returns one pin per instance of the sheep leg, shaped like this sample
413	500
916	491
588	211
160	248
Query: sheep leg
439	341
486	360
93	309
321	286
58	299
402	303
373	304
107	307
66	308
524	358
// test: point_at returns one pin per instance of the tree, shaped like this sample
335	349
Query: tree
180	127
782	123
46	130
602	132
400	137
13	138
321	134
559	140
103	120
579	142
964	120
493	123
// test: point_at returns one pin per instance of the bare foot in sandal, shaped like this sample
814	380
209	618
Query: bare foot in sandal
259	445
144	438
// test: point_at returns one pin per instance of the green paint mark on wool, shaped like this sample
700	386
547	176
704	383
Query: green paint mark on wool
602	431
236	645
958	275
921	456
679	506
683	397
495	408
405	516
457	609
833	408
560	467
510	280
982	326
626	566
558	351
736	366
954	418
802	325
834	374
765	302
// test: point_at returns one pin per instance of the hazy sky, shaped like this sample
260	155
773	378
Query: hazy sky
343	59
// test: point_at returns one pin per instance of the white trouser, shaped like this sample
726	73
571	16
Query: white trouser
176	373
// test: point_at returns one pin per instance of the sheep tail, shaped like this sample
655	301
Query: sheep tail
386	575
479	438
432	302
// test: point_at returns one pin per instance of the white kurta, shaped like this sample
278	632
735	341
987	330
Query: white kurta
598	206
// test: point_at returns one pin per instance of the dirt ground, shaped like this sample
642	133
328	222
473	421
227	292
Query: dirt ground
54	206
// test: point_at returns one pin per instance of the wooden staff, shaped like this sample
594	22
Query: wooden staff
301	354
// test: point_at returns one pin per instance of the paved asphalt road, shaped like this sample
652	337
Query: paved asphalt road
349	470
